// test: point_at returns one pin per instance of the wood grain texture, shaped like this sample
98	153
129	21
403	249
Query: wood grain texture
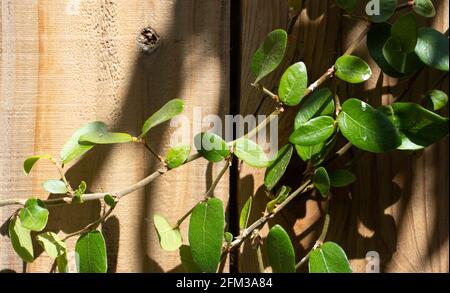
65	63
399	205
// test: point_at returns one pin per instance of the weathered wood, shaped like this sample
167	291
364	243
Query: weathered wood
64	63
399	205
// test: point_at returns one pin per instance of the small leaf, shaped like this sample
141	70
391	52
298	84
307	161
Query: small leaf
281	196
169	237
328	258
319	103
177	155
91	253
432	48
78	196
341	178
30	161
245	213
55	186
278	166
228	237
168	111
110	200
187	261
347	5
280	250
424	8
418	127
269	56
251	153
206	234
101	135
321	181
352	69
307	153
314	131
293	84
52	244
21	240
435	100
211	146
404	31
386	10
72	149
34	215
377	36
367	128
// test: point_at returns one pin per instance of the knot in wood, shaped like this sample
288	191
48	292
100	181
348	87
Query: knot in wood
148	40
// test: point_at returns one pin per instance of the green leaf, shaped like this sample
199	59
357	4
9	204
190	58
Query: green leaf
321	181
404	30
347	5
269	56
169	237
34	215
432	48
367	128
110	200
78	196
386	10
404	62
206	234
280	196
280	251
245	213
314	131
228	237
168	111
211	146
30	161
341	178
307	153
187	261
91	253
251	153
424	8
72	149
21	240
52	244
319	103
62	263
419	127
435	100
293	84
101	135
55	186
328	258
352	69
278	166
177	155
377	36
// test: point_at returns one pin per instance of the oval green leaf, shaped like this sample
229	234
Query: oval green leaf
91	253
34	215
404	62
269	56
321	181
55	186
245	213
352	69
313	132
367	128
21	240
319	103
177	155
30	161
52	244
328	258
435	100
168	111
206	228
381	10
432	48
280	196
404	30
103	136
110	200
251	153
293	84
280	251
278	166
187	261
424	8
228	237
341	178
211	146
169	237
